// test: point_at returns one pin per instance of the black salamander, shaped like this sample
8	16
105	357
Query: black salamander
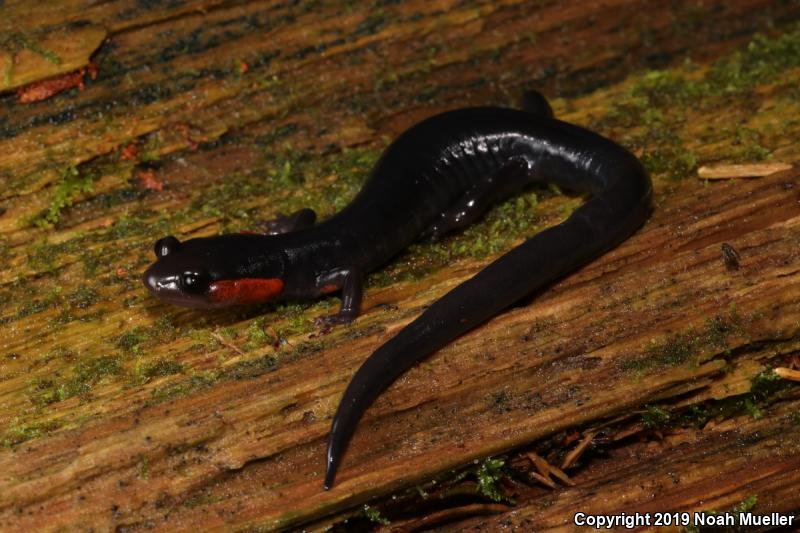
439	175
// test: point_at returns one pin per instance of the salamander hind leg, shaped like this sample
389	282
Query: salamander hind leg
300	219
535	102
477	200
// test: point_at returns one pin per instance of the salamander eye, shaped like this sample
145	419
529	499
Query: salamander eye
166	246
194	282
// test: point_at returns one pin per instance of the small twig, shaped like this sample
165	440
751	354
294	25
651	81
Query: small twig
543	480
725	172
575	454
546	469
230	345
560	474
787	373
541	465
446	515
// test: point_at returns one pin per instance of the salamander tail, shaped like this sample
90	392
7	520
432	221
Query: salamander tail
620	203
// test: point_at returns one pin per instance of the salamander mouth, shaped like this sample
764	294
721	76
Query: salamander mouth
168	289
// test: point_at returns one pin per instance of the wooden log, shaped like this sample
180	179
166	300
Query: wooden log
600	343
121	412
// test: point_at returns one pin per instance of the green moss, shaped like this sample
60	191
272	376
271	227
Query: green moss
681	348
182	387
93	370
765	384
83	297
752	149
18	433
766	388
41	256
37	306
697	415
163	330
655	417
665	89
258	335
672	161
745	505
70	184
651	116
84	375
762	60
375	516
59	353
130	340
250	368
489	474
90	264
161	368
719	327
126	227
752	409
160	332
673	352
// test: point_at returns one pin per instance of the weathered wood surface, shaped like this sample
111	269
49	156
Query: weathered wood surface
716	469
119	411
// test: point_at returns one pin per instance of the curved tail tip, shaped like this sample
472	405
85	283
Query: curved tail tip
331	465
330	475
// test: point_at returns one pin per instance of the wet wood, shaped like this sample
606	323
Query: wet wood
118	411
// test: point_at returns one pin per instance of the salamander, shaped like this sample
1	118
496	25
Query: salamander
439	175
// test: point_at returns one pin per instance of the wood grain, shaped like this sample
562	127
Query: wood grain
119	412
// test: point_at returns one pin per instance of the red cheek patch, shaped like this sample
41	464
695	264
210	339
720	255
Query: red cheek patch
245	291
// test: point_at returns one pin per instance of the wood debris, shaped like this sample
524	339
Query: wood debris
755	170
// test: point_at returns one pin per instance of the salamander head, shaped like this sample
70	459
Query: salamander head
206	273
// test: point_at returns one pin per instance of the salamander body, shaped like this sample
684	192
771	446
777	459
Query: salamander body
439	175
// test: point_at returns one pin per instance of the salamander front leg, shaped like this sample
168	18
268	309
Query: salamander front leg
300	219
352	283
